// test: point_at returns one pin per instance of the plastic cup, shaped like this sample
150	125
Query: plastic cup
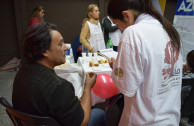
83	55
95	55
90	54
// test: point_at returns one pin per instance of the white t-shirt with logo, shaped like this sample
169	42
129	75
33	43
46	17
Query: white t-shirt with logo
149	74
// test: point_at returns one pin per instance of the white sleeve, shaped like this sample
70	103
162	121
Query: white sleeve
128	69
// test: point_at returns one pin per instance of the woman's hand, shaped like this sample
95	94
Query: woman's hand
93	50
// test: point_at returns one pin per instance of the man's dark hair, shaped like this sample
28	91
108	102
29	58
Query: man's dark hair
37	41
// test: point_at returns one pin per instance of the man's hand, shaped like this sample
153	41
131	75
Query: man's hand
86	97
90	80
111	62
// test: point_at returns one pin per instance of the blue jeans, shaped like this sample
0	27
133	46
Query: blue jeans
97	118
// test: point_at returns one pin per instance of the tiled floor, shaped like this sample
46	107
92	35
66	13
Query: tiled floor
6	81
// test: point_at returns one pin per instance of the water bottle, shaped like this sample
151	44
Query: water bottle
69	48
109	44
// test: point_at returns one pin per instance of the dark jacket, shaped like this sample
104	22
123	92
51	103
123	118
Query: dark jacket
107	27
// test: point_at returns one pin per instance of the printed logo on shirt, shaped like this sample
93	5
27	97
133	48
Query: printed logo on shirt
170	72
171	56
118	72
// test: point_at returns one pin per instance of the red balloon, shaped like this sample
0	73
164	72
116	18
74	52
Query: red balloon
104	86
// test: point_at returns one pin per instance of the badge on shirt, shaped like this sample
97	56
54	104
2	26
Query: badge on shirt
118	72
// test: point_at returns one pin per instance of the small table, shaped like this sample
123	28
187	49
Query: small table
102	69
74	74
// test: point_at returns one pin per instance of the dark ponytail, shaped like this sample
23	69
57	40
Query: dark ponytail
116	7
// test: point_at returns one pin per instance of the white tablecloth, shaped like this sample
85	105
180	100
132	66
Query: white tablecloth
102	69
76	73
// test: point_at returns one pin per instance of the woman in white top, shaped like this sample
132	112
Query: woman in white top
148	68
91	35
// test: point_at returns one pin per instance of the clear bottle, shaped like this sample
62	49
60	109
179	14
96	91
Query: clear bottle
109	44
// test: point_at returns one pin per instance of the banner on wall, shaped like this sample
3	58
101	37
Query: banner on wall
184	23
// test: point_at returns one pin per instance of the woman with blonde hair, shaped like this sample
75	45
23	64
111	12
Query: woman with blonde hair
36	16
91	35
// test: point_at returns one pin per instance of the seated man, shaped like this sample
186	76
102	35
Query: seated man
39	91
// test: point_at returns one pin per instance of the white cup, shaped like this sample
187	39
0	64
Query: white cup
90	54
83	54
95	55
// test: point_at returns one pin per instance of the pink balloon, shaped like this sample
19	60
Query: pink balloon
104	86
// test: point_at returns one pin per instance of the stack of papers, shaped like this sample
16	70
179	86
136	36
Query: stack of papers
109	53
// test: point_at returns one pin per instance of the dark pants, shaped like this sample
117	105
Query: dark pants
115	48
97	118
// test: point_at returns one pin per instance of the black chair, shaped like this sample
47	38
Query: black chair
24	119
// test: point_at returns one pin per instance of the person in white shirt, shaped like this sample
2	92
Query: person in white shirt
111	31
148	68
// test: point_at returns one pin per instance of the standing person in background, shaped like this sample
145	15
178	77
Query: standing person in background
91	35
36	16
111	31
148	68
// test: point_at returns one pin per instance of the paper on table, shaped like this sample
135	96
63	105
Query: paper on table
96	68
109	53
104	66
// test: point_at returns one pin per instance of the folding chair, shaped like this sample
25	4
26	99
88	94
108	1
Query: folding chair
24	119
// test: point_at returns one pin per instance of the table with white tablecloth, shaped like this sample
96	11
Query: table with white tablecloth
76	73
101	69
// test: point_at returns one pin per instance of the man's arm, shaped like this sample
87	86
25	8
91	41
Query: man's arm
86	97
